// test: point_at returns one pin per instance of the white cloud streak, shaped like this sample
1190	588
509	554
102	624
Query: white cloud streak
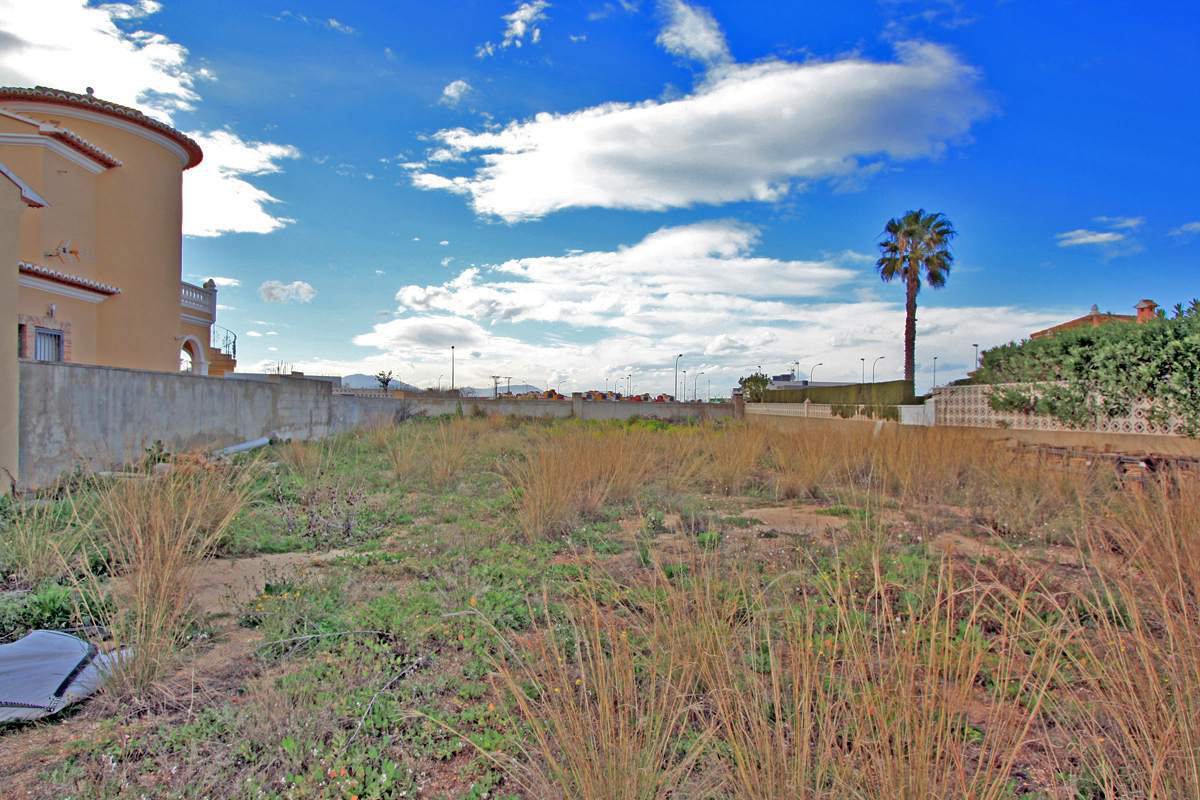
218	198
1081	237
749	132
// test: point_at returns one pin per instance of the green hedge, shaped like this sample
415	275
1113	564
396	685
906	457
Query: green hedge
1080	375
884	393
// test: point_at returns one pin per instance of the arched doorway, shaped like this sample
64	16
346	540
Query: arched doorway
191	356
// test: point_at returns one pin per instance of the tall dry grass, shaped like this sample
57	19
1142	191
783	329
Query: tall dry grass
569	472
839	695
41	537
606	721
448	447
307	460
149	534
1140	662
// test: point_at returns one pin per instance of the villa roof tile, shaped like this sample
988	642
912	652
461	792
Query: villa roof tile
93	103
39	271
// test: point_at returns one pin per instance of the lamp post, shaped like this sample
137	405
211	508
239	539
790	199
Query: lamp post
440	381
976	346
814	369
684	385
873	363
630	378
675	393
864	369
452	368
696	388
708	390
935	372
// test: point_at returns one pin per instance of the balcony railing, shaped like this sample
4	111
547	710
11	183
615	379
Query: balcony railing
198	298
224	340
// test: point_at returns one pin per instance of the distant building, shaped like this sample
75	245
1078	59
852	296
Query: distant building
790	381
1146	311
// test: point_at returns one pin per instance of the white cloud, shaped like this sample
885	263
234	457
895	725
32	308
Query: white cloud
253	334
225	282
340	27
692	32
749	132
444	243
271	333
68	44
693	274
454	92
1187	229
447	261
521	24
279	292
1083	236
1121	223
273	349
379	272
218	199
65	43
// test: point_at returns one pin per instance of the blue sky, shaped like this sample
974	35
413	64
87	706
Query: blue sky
572	191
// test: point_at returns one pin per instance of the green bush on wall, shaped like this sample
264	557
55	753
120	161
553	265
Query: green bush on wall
884	393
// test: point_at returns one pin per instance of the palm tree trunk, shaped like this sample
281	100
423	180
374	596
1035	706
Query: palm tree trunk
910	326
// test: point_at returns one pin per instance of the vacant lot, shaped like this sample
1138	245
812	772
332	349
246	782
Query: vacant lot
485	608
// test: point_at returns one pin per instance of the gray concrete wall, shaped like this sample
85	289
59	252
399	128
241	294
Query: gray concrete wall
102	417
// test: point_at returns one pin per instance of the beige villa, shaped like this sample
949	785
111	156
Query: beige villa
91	245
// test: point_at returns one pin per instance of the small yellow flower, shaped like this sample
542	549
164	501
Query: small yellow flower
472	602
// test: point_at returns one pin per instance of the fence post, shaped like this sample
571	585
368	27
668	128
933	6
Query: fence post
739	406
577	405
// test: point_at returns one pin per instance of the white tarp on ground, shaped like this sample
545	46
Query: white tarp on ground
45	672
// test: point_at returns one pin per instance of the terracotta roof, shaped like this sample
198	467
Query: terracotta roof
38	271
28	195
68	137
1094	318
93	103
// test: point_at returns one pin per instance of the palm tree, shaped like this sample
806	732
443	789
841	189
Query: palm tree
916	242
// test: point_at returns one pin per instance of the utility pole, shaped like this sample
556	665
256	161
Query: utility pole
630	377
452	368
684	385
675	393
863	359
509	379
495	386
935	372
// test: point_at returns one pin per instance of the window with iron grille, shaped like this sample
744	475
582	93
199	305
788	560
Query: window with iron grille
48	345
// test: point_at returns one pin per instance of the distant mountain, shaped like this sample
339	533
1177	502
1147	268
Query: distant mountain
360	381
486	391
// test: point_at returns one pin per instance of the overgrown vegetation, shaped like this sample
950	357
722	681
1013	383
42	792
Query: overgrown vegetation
1084	374
490	608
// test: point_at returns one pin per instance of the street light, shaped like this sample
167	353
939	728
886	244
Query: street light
440	381
814	369
452	368
684	386
864	368
630	378
976	355
873	363
935	372
696	388
675	394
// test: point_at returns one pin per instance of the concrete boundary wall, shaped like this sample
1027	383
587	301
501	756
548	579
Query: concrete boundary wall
102	417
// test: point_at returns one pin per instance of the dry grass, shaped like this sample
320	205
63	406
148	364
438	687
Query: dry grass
574	471
150	533
39	537
1141	663
308	460
606	721
447	449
